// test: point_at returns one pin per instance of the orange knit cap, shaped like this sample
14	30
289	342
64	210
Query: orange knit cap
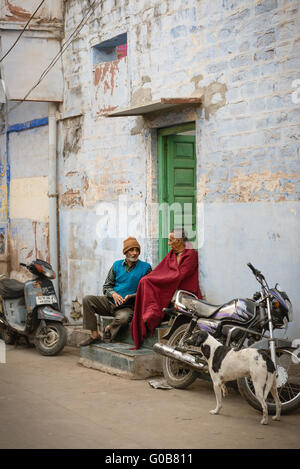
130	243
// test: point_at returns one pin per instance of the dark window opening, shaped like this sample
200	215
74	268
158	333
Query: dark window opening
112	49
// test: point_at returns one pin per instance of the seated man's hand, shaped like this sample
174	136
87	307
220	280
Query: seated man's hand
129	297
118	299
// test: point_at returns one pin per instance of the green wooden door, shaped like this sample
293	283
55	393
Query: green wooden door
177	187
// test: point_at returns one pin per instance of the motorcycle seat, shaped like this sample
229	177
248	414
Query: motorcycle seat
11	288
202	308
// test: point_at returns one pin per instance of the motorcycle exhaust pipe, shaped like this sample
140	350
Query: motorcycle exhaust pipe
170	352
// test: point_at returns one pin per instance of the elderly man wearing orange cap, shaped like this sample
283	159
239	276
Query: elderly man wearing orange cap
119	292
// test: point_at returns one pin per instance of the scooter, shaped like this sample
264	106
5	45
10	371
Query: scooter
31	310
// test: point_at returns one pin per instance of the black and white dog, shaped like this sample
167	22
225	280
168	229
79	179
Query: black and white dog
226	364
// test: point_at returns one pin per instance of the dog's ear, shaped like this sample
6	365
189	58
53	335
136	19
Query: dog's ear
193	339
197	338
200	338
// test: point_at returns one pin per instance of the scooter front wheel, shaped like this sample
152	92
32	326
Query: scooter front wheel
50	340
7	336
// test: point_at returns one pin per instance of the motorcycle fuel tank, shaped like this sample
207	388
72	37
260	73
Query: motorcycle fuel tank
236	311
241	310
210	326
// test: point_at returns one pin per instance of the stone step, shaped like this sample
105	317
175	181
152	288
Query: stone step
120	359
125	335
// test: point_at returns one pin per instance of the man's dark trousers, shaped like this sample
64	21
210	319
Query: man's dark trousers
102	306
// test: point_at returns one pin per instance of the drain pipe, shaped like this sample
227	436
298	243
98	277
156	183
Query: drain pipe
52	193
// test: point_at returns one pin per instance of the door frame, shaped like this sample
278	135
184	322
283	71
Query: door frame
162	135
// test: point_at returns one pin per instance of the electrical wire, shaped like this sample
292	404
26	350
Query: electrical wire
23	30
60	53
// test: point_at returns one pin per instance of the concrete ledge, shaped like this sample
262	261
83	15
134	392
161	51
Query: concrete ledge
106	369
119	359
76	334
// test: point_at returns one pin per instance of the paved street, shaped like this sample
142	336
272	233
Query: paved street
53	402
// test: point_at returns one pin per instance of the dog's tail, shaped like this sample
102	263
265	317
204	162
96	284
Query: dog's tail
269	383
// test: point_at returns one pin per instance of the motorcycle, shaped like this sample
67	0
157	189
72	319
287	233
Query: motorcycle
31	310
237	324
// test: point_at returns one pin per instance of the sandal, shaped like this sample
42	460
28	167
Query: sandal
107	337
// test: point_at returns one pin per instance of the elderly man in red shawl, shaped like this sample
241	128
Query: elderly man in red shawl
177	271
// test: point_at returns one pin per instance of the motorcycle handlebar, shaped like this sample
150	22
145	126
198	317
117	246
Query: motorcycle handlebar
23	265
256	272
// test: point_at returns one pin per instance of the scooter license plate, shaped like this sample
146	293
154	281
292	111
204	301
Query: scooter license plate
46	300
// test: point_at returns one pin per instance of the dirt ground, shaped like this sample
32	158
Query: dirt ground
53	402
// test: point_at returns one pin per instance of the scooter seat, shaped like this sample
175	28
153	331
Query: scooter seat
11	288
18	327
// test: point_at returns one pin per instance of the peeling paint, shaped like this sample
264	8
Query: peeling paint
28	240
18	12
145	79
139	126
76	312
72	198
72	136
47	13
110	86
141	96
106	73
85	183
72	173
29	198
196	80
106	110
248	187
202	187
213	95
99	189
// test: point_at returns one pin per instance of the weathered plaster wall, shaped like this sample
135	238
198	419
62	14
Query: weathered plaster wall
3	203
24	141
242	58
19	11
28	209
248	151
33	51
28	51
263	233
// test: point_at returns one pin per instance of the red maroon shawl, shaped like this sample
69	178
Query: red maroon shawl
156	289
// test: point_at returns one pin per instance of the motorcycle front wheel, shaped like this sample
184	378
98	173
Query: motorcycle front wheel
50	340
177	374
288	385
